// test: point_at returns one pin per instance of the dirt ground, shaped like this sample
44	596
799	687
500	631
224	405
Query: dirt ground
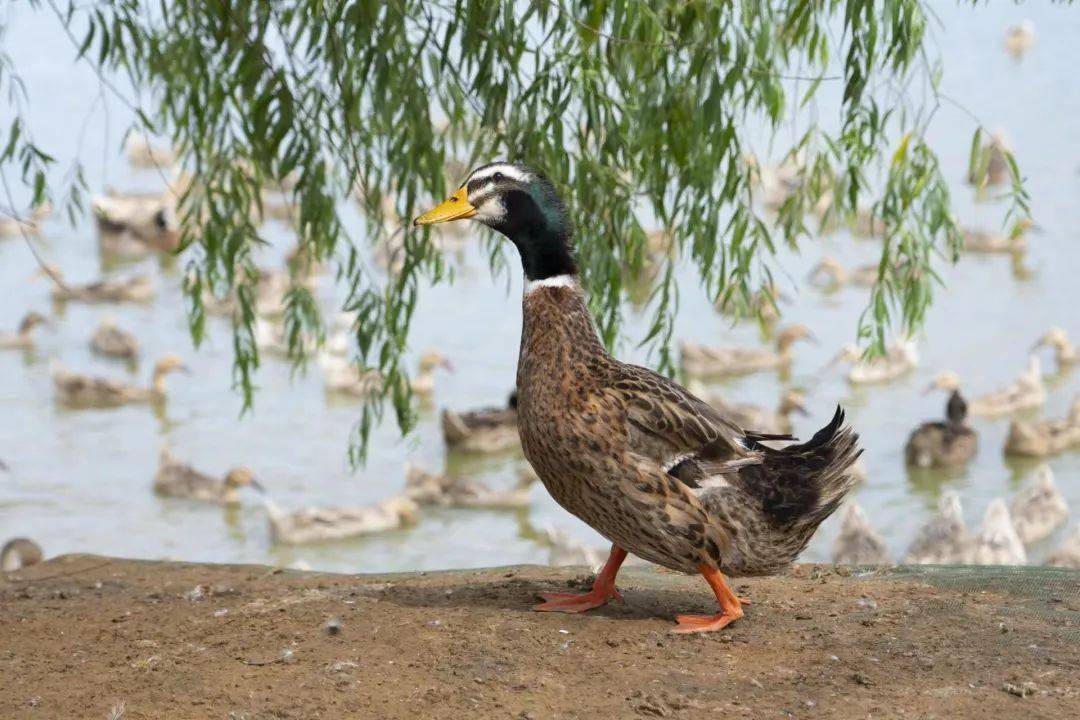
94	637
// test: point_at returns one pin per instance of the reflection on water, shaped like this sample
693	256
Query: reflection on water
81	480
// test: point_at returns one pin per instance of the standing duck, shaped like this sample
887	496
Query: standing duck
460	492
319	524
858	543
87	391
1039	508
1065	352
1045	437
18	553
1024	393
115	342
180	480
900	358
23	337
943	444
997	542
707	361
944	540
646	464
487	430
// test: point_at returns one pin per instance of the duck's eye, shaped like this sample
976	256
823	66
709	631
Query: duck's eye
497	177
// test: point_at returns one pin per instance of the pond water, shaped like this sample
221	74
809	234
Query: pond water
79	481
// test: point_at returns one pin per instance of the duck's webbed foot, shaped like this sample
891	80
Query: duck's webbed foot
730	603
603	590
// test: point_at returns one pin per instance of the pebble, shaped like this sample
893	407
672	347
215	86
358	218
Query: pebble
332	626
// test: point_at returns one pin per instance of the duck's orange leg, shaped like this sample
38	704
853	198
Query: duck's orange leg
603	589
730	606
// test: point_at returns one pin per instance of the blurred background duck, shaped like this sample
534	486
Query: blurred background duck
997	542
943	444
461	492
141	153
76	390
858	543
23	337
16	226
1039	508
756	417
1024	393
985	241
1065	353
901	357
179	480
487	430
830	275
136	224
1020	38
18	553
315	524
1045	437
1068	555
992	157
138	288
565	551
341	376
714	361
115	342
944	539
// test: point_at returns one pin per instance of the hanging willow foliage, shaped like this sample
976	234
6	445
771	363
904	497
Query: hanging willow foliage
637	109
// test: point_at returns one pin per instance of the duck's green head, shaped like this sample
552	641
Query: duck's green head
522	204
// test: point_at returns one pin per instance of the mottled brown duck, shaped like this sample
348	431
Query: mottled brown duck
113	341
948	443
455	491
133	289
23	337
177	479
76	390
717	361
858	543
18	553
1045	437
487	430
634	455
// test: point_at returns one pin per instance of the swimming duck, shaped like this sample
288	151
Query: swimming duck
858	543
1039	508
341	376
23	338
270	338
763	304
137	223
634	455
706	361
758	417
1068	555
461	492
142	154
829	274
1065	352
112	341
87	391
1025	393
1020	38
993	155
944	540
134	289
1046	437
901	357
179	480
18	553
487	430
997	542
315	524
985	241
943	444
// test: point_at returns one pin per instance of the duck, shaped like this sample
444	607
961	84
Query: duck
901	357
715	361
762	305
760	418
270	339
176	479
633	454
1020	38
18	553
135	224
1068	555
997	542
993	157
141	153
565	551
317	524
138	288
1046	437
23	337
1065	353
951	443
1039	508
1025	393
486	430
460	492
858	543
985	241
829	274
115	342
342	377
944	539
76	390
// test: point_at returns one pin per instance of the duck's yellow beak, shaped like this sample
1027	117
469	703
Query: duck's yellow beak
455	207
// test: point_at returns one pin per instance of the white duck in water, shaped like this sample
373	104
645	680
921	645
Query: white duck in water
1065	353
315	524
997	542
900	358
23	337
944	540
180	480
18	553
858	543
708	361
1068	555
1024	393
76	390
1039	508
112	341
460	492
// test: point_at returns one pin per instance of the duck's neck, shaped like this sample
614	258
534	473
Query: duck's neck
157	385
558	335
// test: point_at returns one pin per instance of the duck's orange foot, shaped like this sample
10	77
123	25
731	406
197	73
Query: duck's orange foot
704	623
576	602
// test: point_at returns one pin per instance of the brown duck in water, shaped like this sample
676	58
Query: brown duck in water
943	444
134	289
86	391
1045	437
427	488
23	337
488	430
654	469
115	342
709	361
180	480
